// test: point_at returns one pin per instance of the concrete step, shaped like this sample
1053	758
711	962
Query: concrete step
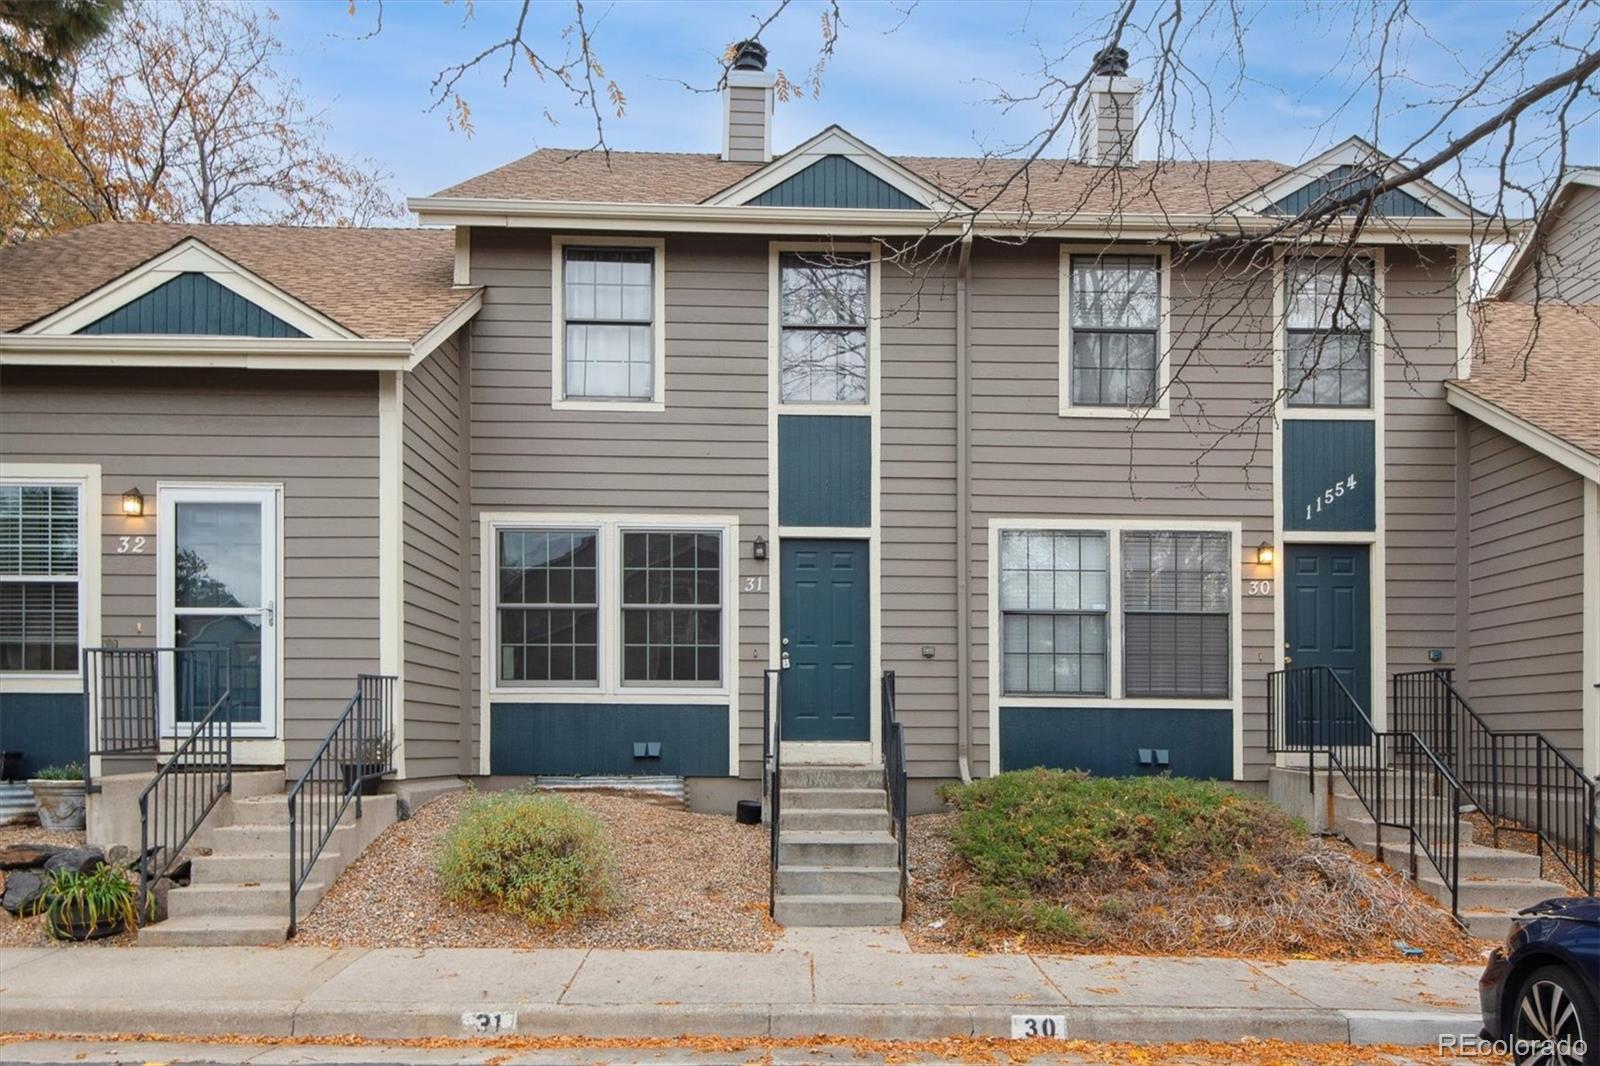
1363	833
838	910
802	776
840	820
271	839
800	799
1478	861
267	899
1501	894
252	931
1488	924
258	867
1395	806
261	810
248	784
807	848
838	880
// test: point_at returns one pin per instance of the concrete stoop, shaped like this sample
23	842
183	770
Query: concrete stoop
238	894
1493	884
836	854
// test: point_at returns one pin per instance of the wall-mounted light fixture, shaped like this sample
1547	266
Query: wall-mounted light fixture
759	548
1265	554
133	503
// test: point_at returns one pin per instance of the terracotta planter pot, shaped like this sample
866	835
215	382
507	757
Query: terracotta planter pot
60	803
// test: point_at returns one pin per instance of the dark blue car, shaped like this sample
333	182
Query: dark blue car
1540	990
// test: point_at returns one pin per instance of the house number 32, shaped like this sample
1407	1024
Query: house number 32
130	545
1330	494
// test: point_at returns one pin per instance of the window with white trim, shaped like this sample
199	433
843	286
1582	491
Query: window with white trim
671	607
1115	325
823	311
1328	307
1054	601
1177	595
549	606
608	312
40	573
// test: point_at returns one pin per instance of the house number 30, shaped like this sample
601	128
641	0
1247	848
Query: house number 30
130	545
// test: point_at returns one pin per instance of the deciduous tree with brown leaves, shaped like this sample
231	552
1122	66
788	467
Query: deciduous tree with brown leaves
178	114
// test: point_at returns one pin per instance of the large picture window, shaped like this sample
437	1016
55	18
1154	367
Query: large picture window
823	310
1115	329
672	607
1328	333
549	606
39	578
1119	612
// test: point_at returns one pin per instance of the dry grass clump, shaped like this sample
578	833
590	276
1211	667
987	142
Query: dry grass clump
1044	859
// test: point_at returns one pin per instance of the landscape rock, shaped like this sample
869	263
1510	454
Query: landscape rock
26	856
79	860
118	855
23	888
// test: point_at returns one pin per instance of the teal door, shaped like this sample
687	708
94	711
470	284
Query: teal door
824	628
1327	619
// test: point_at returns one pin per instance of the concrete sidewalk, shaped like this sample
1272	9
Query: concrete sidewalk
838	982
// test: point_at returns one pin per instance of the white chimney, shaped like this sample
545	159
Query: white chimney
1108	118
747	106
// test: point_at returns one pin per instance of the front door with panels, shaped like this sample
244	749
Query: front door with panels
1327	622
825	635
217	600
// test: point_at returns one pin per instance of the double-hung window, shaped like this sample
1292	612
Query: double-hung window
823	311
40	574
1114	343
1176	600
610	343
1119	612
610	605
1328	333
1054	599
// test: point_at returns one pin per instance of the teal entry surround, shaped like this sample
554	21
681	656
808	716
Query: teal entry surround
1327	613
560	739
1329	475
47	727
825	629
1107	741
825	470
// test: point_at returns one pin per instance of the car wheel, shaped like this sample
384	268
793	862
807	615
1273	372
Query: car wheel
1553	1021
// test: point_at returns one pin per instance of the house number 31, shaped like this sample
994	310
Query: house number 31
130	545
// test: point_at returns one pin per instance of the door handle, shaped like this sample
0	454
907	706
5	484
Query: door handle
268	611
783	661
1287	659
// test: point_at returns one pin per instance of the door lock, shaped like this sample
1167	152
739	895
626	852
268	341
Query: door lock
1287	659
783	661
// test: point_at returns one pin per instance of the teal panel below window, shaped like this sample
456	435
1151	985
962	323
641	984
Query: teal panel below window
1328	475
193	304
47	727
835	181
1106	741
825	470
601	738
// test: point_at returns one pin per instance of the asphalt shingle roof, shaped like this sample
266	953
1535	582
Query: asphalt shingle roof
1541	363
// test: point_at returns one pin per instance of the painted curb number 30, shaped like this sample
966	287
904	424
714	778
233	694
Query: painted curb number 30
489	1022
1038	1027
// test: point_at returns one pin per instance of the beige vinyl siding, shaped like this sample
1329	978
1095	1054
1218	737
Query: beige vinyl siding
918	509
747	124
431	494
1526	603
315	434
1565	265
1419	467
1029	461
705	454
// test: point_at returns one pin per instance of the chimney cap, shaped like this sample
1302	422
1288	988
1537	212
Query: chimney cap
750	55
1111	61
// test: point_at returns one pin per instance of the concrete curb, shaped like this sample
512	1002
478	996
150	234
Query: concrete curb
388	1021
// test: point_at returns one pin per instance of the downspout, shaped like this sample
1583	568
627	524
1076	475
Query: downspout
963	513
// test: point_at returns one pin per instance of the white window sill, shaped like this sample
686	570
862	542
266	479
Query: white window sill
794	408
41	683
631	695
618	406
1328	414
1158	703
1159	414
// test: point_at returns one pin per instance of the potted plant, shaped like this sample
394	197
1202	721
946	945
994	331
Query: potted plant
58	790
88	906
368	760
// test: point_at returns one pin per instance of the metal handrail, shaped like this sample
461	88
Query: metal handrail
1400	781
358	748
892	737
183	792
1518	779
122	695
772	775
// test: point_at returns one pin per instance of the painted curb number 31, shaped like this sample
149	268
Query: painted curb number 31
489	1022
1038	1027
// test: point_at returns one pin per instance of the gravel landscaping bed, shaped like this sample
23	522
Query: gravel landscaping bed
30	932
686	881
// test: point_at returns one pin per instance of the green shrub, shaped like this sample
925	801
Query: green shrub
72	771
1034	831
541	858
999	909
104	894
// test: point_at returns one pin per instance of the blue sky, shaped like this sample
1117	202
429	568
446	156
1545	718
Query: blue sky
921	82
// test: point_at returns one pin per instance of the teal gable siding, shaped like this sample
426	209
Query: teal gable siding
824	470
1106	741
1328	474
1396	203
193	304
834	181
565	739
47	727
